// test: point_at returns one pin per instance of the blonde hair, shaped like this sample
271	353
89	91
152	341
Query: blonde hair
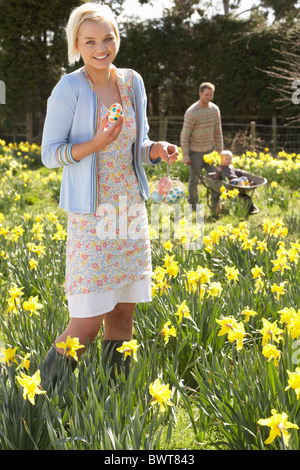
226	153
88	11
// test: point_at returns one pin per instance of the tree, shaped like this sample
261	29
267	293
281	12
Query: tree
33	55
285	74
281	8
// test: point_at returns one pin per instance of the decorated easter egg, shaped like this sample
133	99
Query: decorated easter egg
164	185
156	197
114	112
174	195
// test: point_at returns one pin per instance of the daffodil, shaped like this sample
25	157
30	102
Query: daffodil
271	352
172	269
270	332
161	394
287	315
168	245
70	347
214	289
227	323
25	362
31	386
129	348
32	305
8	355
279	289
261	246
248	313
257	272
15	291
294	327
167	332
33	264
232	273
294	381
183	311
279	425
280	264
237	333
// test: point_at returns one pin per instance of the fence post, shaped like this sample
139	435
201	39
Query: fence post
163	127
29	130
253	136
274	134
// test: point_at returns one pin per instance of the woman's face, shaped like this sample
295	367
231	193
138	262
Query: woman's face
97	44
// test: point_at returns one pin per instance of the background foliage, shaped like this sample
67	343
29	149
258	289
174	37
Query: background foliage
173	54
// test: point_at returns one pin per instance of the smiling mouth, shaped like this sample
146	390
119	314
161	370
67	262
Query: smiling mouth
102	57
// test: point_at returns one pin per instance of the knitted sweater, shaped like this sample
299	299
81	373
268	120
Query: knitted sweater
202	130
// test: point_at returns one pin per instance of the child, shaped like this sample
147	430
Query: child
228	173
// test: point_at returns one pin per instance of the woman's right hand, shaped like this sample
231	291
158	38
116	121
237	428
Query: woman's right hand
106	135
103	137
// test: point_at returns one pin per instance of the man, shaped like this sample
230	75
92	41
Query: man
201	134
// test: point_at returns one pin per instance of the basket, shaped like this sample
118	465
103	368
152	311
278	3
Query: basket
167	190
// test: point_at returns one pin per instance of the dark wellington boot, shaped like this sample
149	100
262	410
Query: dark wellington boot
112	358
55	366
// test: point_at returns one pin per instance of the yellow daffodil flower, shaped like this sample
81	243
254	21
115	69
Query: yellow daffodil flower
237	333
227	323
270	332
168	245
279	425
183	311
248	313
31	386
232	273
271	352
257	272
287	315
129	348
32	305
214	289
15	291
161	394
167	332
279	289
294	381
8	356
70	347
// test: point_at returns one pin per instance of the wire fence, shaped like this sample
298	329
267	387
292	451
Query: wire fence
239	135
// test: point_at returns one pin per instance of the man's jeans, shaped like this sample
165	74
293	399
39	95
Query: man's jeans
197	163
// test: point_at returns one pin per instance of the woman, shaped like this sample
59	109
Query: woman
103	185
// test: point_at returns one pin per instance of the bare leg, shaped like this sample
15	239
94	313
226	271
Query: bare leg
119	322
118	326
86	329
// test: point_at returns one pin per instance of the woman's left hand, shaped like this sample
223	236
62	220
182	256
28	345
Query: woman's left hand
164	150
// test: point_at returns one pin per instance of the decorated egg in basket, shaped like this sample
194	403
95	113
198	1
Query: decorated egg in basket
114	112
164	185
156	197
167	190
174	195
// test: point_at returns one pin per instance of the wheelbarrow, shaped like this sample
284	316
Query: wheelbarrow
246	192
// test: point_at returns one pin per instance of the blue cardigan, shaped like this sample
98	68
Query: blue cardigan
70	119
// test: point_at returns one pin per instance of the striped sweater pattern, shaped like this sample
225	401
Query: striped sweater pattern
202	130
